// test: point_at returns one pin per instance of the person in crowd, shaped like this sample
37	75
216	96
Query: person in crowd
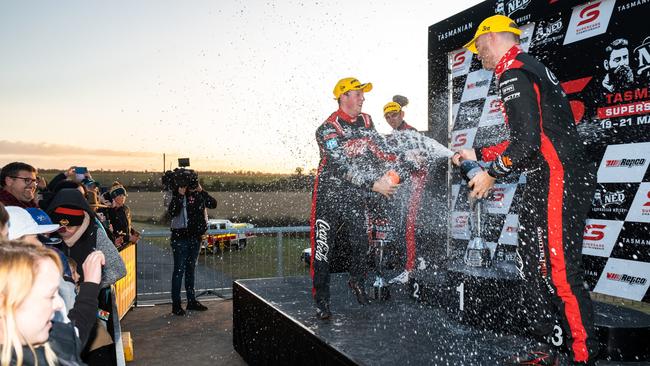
544	143
100	210
394	114
29	281
23	227
81	235
119	217
188	224
31	225
340	190
4	221
18	182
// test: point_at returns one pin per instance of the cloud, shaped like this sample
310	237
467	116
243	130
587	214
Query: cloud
37	149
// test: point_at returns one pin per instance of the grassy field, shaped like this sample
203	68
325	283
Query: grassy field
257	260
258	206
128	178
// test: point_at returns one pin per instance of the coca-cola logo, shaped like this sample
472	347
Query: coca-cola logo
322	233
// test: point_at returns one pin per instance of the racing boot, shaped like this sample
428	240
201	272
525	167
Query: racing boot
323	310
359	291
402	278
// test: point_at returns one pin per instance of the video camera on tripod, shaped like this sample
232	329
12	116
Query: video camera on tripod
180	177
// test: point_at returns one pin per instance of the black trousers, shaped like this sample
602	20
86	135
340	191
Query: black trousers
552	218
334	211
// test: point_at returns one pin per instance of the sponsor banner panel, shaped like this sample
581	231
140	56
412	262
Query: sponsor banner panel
624	163
600	236
601	57
640	209
612	200
624	278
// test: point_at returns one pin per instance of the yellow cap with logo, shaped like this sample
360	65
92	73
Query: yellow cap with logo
347	84
392	107
493	24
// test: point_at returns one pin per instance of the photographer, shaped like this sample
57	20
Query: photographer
188	224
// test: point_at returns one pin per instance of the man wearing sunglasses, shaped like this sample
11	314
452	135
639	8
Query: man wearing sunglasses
19	183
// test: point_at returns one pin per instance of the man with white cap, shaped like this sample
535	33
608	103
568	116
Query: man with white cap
394	114
545	144
22	226
341	188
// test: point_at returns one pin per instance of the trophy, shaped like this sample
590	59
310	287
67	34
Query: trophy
477	253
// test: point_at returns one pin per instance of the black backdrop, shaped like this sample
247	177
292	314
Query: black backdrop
611	106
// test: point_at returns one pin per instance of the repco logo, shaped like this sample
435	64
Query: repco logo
322	248
632	280
594	232
589	14
458	59
629	163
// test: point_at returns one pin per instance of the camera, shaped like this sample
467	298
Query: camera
180	177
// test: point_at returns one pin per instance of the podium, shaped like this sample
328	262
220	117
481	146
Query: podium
487	298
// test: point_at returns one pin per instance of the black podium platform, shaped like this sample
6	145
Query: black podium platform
274	323
488	298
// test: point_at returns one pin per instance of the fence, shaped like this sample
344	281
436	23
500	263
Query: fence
272	252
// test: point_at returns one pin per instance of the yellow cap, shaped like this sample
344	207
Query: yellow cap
392	107
493	24
347	84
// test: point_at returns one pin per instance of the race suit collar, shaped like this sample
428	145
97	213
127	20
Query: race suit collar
507	60
346	117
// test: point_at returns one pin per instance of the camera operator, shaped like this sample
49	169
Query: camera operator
188	224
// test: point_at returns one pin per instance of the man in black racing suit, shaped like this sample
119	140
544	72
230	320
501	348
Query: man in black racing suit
544	143
341	188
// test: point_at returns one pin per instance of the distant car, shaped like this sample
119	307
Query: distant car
305	256
230	240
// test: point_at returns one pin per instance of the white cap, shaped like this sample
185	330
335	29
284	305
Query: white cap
21	223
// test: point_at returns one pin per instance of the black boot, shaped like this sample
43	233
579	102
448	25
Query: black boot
323	310
178	310
359	291
196	305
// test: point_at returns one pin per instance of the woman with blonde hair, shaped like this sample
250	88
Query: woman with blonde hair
29	283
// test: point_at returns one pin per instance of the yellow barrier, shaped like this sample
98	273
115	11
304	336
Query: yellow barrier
125	288
127	343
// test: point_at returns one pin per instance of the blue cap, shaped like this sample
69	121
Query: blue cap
39	216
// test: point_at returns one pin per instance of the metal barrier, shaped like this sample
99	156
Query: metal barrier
272	252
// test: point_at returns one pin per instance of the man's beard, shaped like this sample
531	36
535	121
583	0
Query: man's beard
622	77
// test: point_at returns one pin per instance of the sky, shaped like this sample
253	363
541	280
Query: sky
233	85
